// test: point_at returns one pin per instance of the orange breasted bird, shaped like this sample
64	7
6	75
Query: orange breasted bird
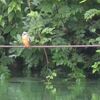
26	39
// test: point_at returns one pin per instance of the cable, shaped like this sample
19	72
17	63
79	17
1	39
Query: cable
50	46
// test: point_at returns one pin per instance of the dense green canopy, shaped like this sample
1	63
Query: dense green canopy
50	22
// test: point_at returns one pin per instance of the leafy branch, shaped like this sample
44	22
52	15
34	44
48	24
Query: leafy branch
91	13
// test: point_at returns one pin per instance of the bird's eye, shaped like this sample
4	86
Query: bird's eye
24	33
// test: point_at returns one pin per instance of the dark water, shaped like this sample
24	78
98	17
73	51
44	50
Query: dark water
32	89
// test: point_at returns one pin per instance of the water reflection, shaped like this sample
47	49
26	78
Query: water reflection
36	90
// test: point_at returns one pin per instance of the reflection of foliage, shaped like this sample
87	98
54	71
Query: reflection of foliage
28	89
51	22
77	89
67	90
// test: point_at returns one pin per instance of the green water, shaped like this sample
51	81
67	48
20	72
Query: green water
31	89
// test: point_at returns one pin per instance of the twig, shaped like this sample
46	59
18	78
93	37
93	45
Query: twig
46	56
29	4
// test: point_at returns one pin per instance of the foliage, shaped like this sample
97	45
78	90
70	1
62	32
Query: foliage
91	13
51	22
96	65
10	23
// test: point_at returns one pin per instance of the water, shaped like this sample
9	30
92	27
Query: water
32	89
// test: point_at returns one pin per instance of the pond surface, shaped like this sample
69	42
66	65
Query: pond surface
32	89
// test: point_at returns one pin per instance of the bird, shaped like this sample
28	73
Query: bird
26	39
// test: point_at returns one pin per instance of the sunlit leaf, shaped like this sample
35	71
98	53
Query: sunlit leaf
3	1
91	13
98	1
83	1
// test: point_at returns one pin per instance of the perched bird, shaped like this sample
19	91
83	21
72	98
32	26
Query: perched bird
26	39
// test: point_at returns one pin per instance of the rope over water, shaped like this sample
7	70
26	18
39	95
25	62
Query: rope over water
50	46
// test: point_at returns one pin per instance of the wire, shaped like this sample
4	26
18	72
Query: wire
50	46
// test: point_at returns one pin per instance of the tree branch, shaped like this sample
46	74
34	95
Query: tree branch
46	56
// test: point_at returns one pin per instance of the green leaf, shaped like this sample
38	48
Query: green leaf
5	60
44	40
11	7
64	12
83	1
2	41
91	13
98	39
54	74
98	1
13	32
94	70
36	2
20	50
98	51
96	67
18	7
92	29
1	17
48	30
2	22
10	17
19	38
3	1
53	90
46	7
7	29
33	14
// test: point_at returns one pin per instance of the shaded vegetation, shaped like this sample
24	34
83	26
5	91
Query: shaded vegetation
50	22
